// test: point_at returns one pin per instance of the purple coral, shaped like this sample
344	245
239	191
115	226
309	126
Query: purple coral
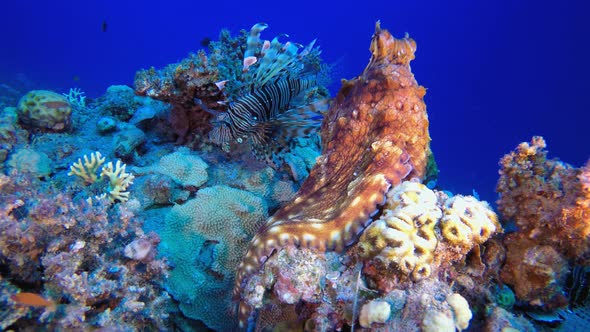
72	253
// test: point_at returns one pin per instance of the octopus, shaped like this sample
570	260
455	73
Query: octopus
374	136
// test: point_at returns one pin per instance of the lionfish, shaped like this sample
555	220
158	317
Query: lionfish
280	105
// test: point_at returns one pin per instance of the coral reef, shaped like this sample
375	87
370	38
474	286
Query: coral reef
414	236
118	179
549	201
186	169
45	110
230	79
8	127
204	240
374	136
72	254
356	241
30	161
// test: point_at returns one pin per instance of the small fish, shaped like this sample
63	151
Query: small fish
76	78
205	42
33	300
104	26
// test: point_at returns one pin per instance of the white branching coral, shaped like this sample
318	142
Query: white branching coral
119	179
76	97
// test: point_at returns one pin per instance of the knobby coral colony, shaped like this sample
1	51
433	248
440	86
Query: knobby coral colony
375	135
280	105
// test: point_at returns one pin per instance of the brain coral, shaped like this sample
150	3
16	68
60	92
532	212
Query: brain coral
205	239
406	236
468	220
45	110
182	167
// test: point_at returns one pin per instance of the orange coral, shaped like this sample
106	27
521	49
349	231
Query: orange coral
534	271
550	203
375	135
549	200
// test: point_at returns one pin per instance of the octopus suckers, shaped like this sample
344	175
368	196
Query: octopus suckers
374	197
355	201
335	236
284	238
308	238
274	230
347	227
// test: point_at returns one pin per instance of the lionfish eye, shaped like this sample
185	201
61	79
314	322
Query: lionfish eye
255	118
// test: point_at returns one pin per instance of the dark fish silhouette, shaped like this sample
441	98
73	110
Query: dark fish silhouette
104	26
205	42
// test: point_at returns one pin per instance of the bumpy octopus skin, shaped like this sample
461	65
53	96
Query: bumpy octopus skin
375	135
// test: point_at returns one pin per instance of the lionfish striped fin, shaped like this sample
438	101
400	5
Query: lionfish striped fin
253	41
240	121
278	135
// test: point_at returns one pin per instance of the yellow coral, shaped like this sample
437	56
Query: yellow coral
119	181
87	170
467	221
404	236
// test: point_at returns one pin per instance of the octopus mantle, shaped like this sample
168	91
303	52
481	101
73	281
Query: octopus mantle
374	136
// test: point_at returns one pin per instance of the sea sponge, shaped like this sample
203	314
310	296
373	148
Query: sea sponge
404	235
437	321
45	110
467	221
440	318
374	312
461	310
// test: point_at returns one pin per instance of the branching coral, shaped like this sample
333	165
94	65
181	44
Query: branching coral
118	179
87	171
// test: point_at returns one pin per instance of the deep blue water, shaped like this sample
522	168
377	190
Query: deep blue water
496	72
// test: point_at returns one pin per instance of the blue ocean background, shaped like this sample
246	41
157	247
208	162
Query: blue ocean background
497	73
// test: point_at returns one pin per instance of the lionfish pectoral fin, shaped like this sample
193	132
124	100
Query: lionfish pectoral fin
201	104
